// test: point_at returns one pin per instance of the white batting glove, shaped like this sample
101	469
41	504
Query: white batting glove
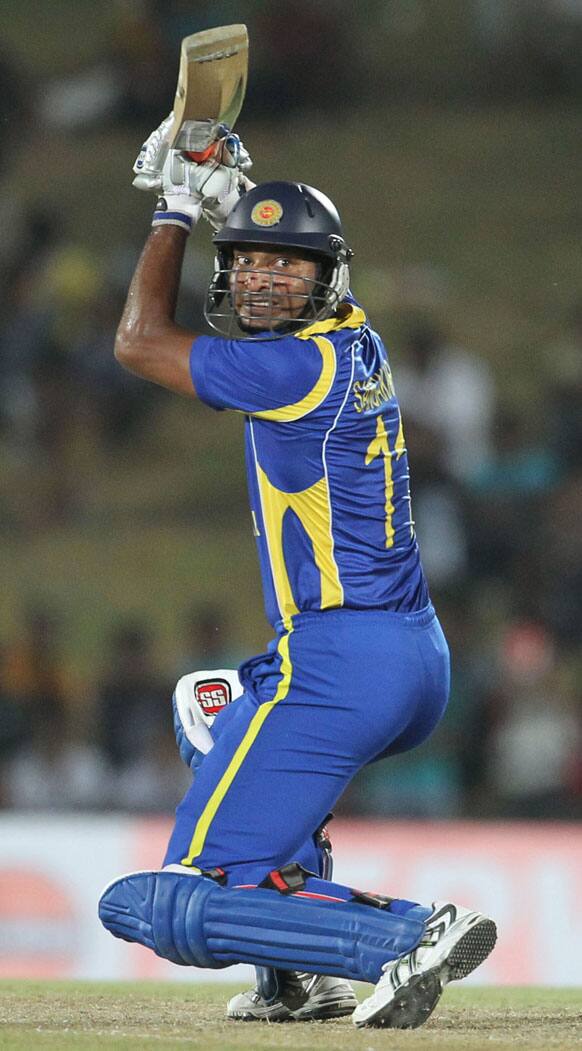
218	181
198	698
190	189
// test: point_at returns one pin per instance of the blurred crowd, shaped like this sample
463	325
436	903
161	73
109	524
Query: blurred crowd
107	744
309	57
497	481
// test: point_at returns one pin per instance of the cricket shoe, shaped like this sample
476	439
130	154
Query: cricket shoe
456	941
327	997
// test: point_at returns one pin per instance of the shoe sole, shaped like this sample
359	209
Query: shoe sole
470	950
416	1000
248	1016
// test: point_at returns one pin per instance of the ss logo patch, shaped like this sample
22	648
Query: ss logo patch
212	695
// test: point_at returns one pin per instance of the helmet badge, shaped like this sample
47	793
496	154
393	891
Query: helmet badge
267	213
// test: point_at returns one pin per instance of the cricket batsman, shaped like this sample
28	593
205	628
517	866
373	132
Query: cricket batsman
358	668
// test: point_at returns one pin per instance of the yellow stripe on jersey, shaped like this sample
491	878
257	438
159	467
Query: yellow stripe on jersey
312	507
317	394
274	503
347	316
217	797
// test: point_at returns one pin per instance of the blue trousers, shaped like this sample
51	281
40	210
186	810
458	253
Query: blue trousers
335	691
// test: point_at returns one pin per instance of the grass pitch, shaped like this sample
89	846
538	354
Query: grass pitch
79	1016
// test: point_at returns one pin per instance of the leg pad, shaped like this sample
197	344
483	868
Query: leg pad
192	921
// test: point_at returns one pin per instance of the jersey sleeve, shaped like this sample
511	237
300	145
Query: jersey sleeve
280	379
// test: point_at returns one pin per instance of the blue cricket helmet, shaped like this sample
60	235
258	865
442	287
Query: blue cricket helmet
286	213
291	215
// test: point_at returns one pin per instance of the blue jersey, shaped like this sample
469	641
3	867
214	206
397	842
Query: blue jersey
327	465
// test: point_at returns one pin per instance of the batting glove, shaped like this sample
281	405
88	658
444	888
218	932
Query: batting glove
215	177
192	720
180	203
210	188
192	184
150	160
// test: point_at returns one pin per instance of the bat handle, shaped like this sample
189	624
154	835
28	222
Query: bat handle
222	132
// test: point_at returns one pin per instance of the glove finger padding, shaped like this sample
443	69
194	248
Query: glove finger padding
222	180
217	210
216	187
150	160
211	178
180	202
233	153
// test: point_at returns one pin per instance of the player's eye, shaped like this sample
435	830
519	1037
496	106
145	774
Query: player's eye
283	262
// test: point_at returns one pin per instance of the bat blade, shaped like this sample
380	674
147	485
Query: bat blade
211	85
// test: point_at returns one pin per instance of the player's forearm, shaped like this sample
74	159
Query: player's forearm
148	322
149	342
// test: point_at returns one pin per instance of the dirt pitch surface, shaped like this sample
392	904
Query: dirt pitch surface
78	1016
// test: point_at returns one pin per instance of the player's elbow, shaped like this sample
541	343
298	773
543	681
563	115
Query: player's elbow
129	348
123	350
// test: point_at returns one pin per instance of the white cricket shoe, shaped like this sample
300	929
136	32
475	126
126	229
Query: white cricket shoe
455	943
327	997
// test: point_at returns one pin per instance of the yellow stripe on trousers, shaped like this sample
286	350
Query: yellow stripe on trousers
209	812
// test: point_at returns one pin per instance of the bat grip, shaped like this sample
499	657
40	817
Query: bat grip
203	156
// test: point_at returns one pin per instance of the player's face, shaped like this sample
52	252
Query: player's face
269	288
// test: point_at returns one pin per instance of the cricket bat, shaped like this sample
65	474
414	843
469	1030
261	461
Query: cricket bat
211	87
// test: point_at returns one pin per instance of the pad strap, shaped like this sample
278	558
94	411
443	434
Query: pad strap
217	874
288	879
377	901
